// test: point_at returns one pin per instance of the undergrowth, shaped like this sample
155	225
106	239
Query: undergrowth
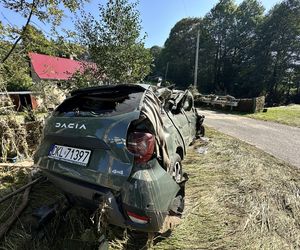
237	197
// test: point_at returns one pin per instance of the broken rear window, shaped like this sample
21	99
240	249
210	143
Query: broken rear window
99	104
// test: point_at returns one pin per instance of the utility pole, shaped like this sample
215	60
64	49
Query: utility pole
196	60
166	73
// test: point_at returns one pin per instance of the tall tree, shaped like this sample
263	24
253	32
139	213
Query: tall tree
44	10
115	42
249	16
219	23
155	72
178	56
280	37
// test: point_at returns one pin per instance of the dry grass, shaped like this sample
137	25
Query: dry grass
19	138
238	197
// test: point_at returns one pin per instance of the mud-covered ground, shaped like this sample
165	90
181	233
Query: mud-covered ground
237	197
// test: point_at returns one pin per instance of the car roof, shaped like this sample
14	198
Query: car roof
126	88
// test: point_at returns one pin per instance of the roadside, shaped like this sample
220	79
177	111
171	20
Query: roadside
288	115
279	140
237	197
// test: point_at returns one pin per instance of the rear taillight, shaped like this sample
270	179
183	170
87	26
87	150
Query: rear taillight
138	218
141	145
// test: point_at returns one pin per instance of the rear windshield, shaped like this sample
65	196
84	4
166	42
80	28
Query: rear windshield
99	104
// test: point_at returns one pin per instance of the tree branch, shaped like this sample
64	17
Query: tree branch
22	33
10	221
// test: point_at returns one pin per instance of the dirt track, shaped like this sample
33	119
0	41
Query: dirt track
279	140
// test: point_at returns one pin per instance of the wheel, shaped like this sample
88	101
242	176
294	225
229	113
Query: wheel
202	131
176	172
176	169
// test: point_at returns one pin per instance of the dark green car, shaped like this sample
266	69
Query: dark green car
122	145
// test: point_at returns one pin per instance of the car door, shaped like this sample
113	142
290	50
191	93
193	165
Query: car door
184	117
189	112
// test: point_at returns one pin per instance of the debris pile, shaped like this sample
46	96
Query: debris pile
13	139
18	140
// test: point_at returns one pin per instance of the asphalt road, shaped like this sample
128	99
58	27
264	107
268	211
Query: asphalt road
279	140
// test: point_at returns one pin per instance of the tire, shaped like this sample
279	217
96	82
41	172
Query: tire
176	169
176	172
202	131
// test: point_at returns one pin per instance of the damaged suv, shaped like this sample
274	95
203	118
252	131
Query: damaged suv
122	145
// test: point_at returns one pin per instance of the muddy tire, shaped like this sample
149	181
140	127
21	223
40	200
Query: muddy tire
176	169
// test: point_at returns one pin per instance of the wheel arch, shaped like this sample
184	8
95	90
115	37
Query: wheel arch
180	152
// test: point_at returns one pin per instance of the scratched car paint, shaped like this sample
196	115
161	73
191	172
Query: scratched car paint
133	139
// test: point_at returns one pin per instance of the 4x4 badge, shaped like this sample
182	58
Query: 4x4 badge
70	125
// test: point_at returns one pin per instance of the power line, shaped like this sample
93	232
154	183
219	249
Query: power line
184	7
6	18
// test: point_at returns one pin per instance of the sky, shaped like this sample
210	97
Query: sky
157	16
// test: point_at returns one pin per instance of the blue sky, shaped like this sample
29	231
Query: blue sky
157	16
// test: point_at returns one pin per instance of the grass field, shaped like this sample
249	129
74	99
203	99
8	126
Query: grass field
237	197
289	115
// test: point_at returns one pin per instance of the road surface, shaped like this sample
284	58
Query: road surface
279	140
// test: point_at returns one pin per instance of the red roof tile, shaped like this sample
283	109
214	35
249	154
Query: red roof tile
56	68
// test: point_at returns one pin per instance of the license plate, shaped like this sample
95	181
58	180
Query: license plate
72	155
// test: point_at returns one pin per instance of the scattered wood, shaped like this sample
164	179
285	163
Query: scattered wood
7	225
20	189
22	164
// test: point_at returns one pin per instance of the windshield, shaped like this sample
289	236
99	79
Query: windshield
99	104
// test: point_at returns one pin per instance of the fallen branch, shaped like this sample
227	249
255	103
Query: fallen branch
6	226
23	164
20	189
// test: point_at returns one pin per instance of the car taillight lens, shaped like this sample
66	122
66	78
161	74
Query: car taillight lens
138	218
141	145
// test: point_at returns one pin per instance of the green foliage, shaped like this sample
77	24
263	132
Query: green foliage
44	10
51	95
243	52
155	72
15	73
114	42
16	42
280	36
33	40
179	52
89	77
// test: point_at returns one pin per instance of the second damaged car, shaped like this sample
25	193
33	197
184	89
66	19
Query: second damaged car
122	145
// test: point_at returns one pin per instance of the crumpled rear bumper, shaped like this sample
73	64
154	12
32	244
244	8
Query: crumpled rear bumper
92	195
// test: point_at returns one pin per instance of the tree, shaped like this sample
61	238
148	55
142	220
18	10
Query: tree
114	41
155	72
35	41
219	23
178	54
44	10
280	51
249	16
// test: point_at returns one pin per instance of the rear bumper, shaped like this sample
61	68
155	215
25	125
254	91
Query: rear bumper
91	195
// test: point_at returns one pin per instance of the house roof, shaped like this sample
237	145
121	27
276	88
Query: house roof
56	68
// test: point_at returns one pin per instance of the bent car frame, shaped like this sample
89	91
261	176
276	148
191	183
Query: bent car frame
122	145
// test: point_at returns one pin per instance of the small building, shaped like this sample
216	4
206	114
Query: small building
44	67
21	99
